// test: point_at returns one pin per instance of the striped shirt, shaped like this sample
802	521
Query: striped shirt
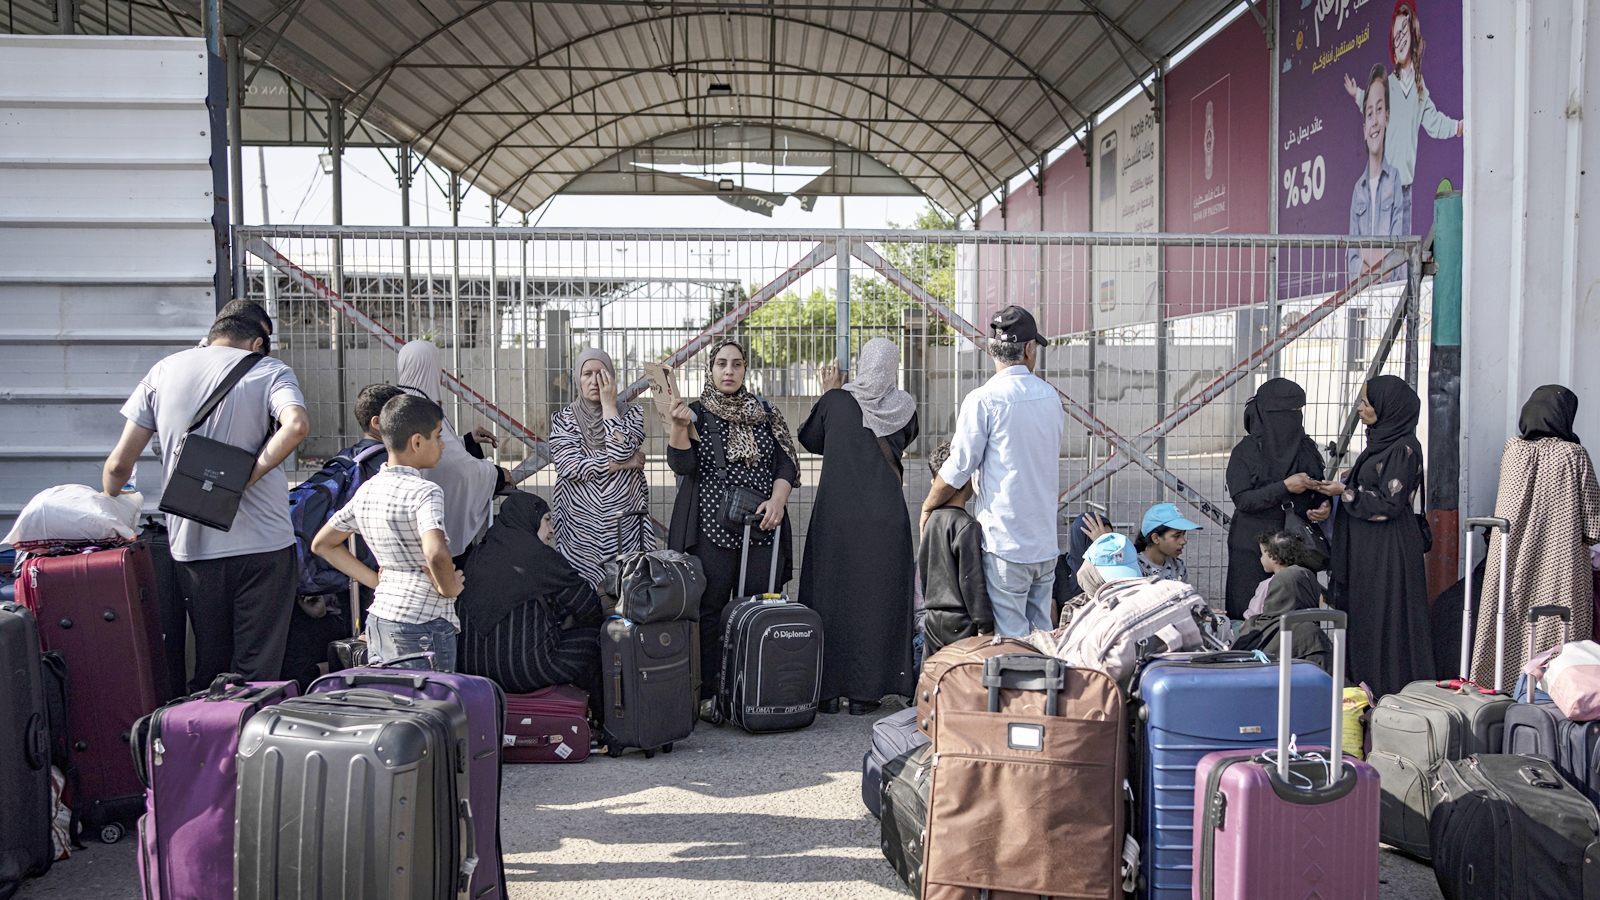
392	512
588	499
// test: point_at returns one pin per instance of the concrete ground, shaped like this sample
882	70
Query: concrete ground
727	815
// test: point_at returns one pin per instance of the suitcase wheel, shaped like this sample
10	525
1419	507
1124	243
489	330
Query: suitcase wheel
613	751
649	754
111	833
717	718
666	748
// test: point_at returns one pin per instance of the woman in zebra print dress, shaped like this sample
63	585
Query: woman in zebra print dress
596	444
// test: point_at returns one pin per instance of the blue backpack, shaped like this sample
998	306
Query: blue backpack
311	503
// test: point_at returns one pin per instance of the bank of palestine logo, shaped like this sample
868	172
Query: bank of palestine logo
1211	138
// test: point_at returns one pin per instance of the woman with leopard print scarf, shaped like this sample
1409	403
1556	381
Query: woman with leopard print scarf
730	447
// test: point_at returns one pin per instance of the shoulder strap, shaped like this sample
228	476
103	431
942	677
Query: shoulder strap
894	462
237	372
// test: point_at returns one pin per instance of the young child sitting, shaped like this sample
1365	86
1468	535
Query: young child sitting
1292	586
955	598
1279	551
401	516
1162	536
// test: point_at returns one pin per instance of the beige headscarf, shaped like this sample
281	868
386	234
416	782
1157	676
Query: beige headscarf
885	409
588	413
468	482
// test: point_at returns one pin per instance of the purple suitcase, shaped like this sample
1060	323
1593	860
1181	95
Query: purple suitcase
485	704
184	754
1275	824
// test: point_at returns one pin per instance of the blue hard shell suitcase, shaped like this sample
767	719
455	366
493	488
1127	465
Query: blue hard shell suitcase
1186	705
892	736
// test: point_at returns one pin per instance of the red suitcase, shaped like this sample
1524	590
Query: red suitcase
1271	824
548	726
100	610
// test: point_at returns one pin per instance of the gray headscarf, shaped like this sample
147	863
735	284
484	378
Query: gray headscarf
468	482
885	409
588	413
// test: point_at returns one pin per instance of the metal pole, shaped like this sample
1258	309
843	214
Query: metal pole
269	278
522	296
404	171
842	312
1413	301
66	11
236	156
336	150
494	316
1162	331
1274	313
455	285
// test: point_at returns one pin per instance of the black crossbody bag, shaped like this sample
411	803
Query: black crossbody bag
208	476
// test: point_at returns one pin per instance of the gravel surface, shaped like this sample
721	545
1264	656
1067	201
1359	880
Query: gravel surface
727	815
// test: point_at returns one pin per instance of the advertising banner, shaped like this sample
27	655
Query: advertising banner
1369	106
1219	169
1126	167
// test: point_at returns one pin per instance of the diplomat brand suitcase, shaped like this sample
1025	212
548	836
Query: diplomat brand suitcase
169	601
100	610
647	674
1426	723
1186	705
184	754
893	736
547	726
24	752
904	826
1507	827
485	706
770	678
1540	729
360	794
1028	783
1286	823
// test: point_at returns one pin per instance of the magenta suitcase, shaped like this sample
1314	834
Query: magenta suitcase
547	726
100	609
1274	823
485	705
184	754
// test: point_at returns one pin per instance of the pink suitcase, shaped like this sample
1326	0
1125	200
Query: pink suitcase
547	726
1273	823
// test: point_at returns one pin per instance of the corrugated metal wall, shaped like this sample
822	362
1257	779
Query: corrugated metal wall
105	244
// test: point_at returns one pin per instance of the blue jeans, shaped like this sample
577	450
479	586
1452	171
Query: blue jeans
1020	594
388	640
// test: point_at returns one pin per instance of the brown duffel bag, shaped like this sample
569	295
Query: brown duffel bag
967	650
1029	759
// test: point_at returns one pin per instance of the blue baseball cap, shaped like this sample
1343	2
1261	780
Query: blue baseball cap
1113	557
1165	515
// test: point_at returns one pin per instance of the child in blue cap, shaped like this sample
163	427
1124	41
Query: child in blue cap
1162	536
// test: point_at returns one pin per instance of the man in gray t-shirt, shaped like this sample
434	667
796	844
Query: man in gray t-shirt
238	584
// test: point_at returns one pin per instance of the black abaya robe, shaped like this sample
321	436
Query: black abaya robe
1378	575
858	564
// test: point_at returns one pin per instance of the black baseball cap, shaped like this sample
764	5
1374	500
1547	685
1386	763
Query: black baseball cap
1015	325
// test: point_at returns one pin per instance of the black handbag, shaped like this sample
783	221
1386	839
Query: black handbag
738	504
1307	531
209	477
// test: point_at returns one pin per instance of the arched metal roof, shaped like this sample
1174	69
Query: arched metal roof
521	97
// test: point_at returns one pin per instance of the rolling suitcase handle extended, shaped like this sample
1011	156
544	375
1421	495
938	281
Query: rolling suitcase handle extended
1488	524
744	557
1534	615
621	517
1286	688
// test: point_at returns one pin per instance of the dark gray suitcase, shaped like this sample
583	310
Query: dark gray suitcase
649	685
358	794
1426	724
904	826
24	752
1507	827
1540	729
893	736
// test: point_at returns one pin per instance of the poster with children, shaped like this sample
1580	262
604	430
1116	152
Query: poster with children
1370	120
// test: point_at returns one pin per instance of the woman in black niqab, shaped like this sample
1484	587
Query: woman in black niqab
1378	576
529	620
1272	468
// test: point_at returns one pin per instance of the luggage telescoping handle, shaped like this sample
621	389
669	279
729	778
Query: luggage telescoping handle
1285	687
744	557
622	517
1488	524
1050	676
1534	615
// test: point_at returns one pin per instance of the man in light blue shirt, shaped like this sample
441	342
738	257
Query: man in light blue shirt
1008	436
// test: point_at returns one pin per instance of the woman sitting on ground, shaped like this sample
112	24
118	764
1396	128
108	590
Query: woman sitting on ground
529	620
1292	586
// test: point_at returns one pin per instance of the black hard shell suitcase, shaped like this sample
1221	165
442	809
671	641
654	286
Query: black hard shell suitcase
1507	827
1540	729
893	735
169	603
904	827
770	677
24	752
358	794
648	683
1416	730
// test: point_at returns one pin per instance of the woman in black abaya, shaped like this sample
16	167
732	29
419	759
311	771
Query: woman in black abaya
858	567
1277	465
1378	576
